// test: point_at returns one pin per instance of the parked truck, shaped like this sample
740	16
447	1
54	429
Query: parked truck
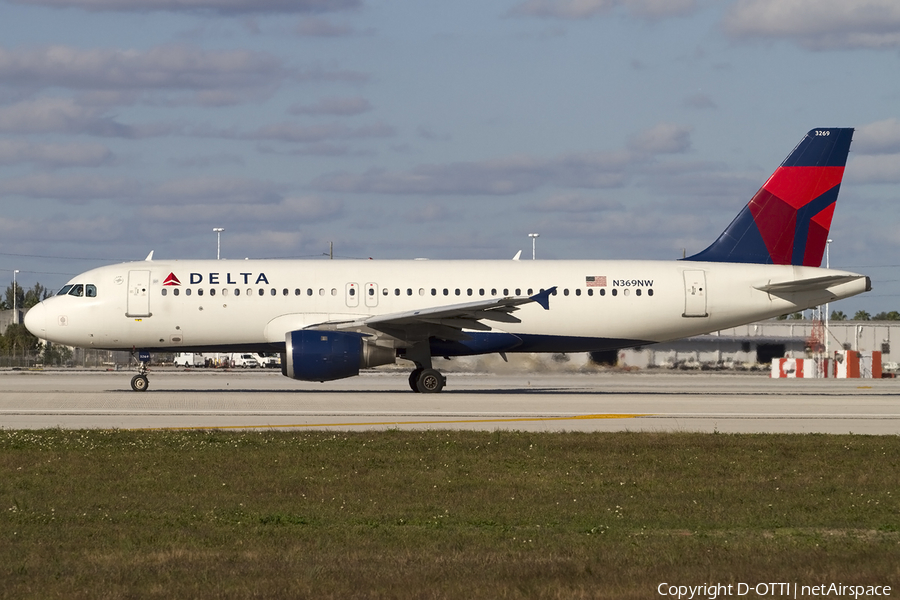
189	359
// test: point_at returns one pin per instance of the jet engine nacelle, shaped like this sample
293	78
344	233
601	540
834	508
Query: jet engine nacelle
314	355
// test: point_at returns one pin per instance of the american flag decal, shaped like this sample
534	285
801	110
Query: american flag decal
595	280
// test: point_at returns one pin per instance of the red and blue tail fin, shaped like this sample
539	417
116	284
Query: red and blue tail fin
787	221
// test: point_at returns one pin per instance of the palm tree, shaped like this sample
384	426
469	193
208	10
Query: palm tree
862	315
838	315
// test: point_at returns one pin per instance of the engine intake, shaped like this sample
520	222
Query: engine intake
315	355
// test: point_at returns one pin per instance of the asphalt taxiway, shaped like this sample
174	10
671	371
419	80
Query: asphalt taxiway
598	401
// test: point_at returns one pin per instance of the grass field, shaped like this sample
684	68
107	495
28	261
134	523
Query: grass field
436	514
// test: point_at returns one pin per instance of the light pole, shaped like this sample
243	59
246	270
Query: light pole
827	310
218	231
15	289
533	236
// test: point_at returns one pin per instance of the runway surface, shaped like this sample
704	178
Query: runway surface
601	401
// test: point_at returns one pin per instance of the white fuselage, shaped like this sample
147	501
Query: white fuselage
252	304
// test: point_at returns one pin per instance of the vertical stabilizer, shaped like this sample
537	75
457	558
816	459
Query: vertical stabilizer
787	220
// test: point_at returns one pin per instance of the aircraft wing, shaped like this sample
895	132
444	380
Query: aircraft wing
806	285
446	322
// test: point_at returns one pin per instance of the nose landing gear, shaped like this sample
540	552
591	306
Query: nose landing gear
140	383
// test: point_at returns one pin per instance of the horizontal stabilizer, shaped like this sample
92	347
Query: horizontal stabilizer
807	285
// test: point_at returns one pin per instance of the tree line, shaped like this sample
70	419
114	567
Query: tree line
17	341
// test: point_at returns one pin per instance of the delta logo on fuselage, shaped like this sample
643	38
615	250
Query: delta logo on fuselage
219	278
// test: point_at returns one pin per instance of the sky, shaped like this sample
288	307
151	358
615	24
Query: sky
403	129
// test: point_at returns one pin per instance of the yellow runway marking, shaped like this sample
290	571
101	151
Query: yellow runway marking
381	423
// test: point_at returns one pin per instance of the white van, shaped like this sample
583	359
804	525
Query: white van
244	360
272	361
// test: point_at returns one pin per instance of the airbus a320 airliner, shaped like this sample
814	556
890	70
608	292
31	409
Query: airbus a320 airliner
329	319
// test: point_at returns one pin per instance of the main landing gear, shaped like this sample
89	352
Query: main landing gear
424	379
140	383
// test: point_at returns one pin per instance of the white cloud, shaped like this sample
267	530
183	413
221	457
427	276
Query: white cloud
575	203
216	6
75	189
306	134
880	168
28	230
296	211
584	9
205	77
818	24
518	174
53	155
343	107
217	191
700	101
316	27
68	116
493	177
665	138
880	137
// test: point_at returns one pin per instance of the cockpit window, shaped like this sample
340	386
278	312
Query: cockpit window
90	290
77	290
65	290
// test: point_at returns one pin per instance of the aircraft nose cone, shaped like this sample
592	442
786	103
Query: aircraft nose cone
36	320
